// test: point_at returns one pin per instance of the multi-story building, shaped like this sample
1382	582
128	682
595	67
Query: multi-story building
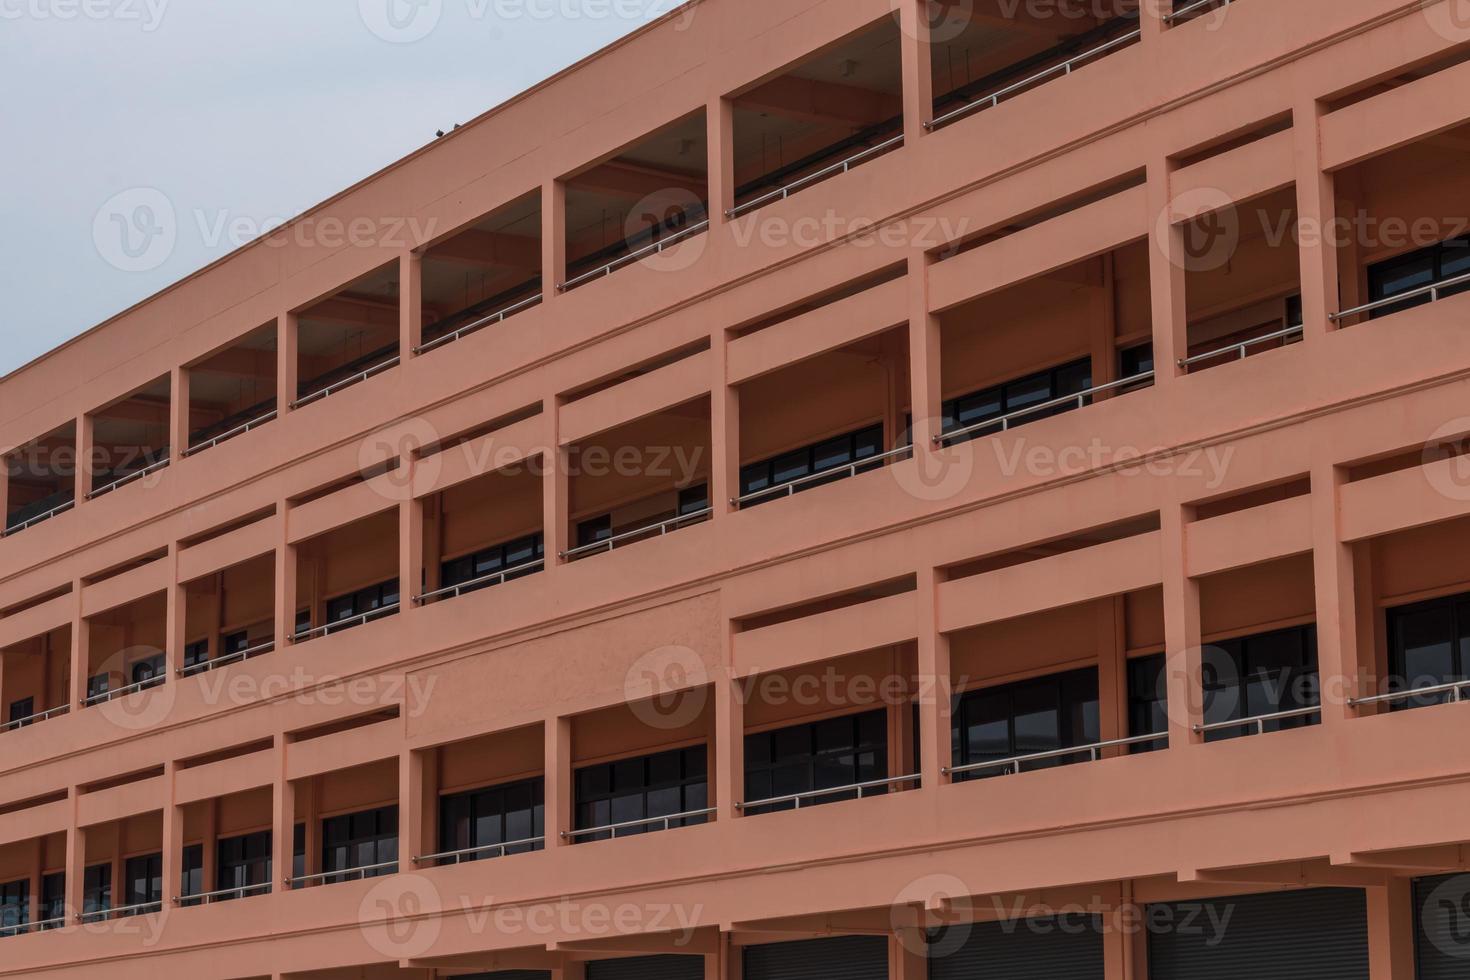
823	488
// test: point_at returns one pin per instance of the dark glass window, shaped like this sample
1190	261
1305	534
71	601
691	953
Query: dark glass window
1259	675
1041	715
235	642
244	861
1405	273
196	653
143	880
820	755
694	499
831	454
97	686
1148	701
1428	645
363	601
593	530
360	840
493	815
1013	396
53	899
15	903
143	671
24	708
191	875
303	620
648	786
690	500
97	888
493	561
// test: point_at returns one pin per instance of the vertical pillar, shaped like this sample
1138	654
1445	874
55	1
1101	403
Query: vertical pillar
417	788
926	390
553	237
76	857
558	779
85	447
935	685
410	303
175	617
5	463
724	428
1166	267
1182	639
1103	330
37	877
119	886
1333	568
309	803
1316	213
720	138
729	742
898	698
178	421
173	836
918	76
1391	930
410	543
286	570
287	368
1151	14
1112	670
283	825
80	647
209	863
555	487
1118	926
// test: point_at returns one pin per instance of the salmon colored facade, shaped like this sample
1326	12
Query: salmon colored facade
631	525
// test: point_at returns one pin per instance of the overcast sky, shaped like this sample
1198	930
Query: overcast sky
240	113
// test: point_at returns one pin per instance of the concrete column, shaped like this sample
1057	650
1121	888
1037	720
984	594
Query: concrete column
1181	629
1333	572
1391	931
898	697
76	857
173	837
209	863
1316	211
1103	330
918	78
5	463
308	804
415	782
1166	262
553	238
1151	14
724	428
178	421
80	646
410	303
558	777
285	583
935	686
85	445
410	545
926	382
283	825
1112	671
174	618
287	368
729	745
37	874
720	138
555	486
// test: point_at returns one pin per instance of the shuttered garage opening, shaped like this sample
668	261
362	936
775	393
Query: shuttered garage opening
1319	934
1442	927
671	967
1042	948
838	958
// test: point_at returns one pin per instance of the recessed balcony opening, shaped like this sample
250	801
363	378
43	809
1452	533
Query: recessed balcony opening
347	822
483	532
1183	11
227	849
1059	687
1406	240
229	616
828	732
347	577
632	777
42	479
484	274
489	797
33	885
233	390
130	438
647	198
1242	281
641	480
981	56
348	337
819	118
1047	346
123	874
125	650
36	678
825	419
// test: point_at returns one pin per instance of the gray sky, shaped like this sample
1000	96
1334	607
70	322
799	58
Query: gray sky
241	113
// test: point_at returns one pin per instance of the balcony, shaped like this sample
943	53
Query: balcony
125	650
41	479
347	577
348	337
354	845
35	679
487	804
233	391
129	439
483	532
229	616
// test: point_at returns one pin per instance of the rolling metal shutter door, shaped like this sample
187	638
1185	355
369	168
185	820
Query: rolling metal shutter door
1320	934
1442	927
1034	949
669	967
838	958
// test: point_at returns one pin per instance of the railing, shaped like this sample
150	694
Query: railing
1258	721
223	895
46	516
661	528
471	853
1457	690
842	167
15	723
343	624
1080	400
1241	349
230	658
1432	291
1094	750
231	433
484	321
20	929
345	875
131	477
122	692
1190	10
790	487
635	255
816	794
1065	68
337	386
613	828
106	915
497	578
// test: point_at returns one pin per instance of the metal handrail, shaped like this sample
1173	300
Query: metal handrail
498	578
223	894
1183	12
662	527
39	716
231	433
59	508
345	382
1458	691
859	788
339	877
841	167
135	475
343	624
465	852
1094	750
1065	68
20	929
227	659
496	317
1240	349
104	915
123	692
1004	421
613	828
634	256
1259	720
790	487
1431	290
